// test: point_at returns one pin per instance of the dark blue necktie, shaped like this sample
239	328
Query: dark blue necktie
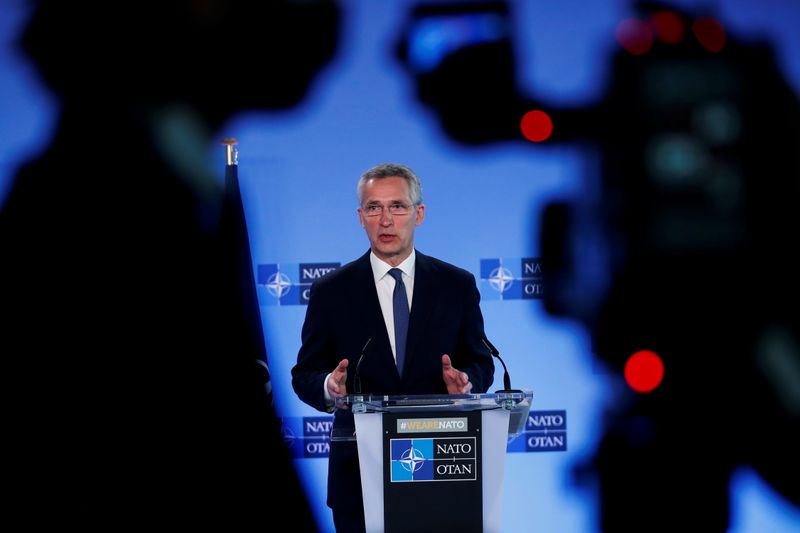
400	307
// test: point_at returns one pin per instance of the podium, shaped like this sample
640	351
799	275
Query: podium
433	462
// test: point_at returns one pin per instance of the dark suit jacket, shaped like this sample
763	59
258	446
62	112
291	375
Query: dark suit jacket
344	312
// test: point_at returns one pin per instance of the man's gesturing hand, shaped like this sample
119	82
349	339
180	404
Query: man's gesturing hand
457	381
336	383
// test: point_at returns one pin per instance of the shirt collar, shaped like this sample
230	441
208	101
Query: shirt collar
381	268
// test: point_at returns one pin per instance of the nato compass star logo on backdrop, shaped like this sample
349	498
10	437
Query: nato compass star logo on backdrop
278	284
289	283
511	279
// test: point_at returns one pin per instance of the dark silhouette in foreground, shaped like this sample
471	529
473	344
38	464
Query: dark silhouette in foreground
134	396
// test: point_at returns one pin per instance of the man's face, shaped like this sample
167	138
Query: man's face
391	236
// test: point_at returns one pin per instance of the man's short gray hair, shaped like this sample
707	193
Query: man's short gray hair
392	170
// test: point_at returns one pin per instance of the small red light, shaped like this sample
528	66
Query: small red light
536	126
709	33
669	27
635	36
644	371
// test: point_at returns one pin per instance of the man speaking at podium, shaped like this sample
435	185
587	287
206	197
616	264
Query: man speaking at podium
394	321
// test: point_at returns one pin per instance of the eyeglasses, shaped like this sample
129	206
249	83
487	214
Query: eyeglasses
395	209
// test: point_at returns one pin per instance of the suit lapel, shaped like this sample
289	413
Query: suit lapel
426	293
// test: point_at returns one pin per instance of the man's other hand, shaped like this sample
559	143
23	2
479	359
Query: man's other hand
457	381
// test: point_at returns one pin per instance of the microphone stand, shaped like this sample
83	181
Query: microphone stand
507	391
357	377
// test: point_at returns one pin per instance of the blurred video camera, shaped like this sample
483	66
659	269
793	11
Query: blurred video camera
682	242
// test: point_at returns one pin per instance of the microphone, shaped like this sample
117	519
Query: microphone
506	377
357	377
